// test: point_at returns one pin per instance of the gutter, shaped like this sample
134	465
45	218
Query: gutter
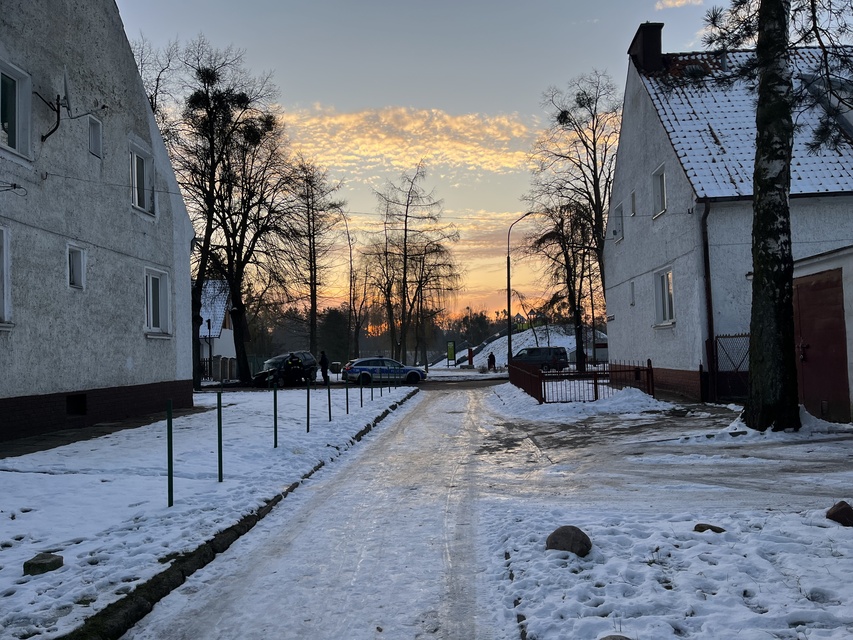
709	301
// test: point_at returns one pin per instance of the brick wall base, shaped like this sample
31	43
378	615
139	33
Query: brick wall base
27	416
680	382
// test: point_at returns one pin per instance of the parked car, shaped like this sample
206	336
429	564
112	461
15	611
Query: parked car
282	371
544	358
365	370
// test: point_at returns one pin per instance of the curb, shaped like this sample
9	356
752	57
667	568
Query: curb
114	620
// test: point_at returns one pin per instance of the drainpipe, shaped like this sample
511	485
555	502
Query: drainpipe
709	304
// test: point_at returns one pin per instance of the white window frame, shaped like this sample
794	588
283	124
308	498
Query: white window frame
664	298
619	222
96	137
5	280
157	297
76	267
659	191
141	186
18	129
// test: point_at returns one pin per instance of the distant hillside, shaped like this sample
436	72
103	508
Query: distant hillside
550	336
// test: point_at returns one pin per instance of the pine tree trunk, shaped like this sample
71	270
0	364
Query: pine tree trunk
772	399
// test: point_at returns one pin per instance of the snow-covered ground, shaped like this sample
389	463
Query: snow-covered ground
780	569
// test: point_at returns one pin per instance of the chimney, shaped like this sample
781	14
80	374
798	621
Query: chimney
645	47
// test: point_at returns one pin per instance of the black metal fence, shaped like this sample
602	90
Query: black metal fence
596	382
731	377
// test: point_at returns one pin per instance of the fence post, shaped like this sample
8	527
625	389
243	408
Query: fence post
275	416
219	429
595	384
651	378
308	406
169	452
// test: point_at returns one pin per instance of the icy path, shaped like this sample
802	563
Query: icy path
379	545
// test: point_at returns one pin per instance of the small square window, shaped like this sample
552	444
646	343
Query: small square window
76	267
156	301
664	305
95	137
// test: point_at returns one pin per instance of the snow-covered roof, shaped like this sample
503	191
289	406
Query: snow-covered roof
712	128
214	306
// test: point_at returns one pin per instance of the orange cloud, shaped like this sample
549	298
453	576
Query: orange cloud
366	145
674	4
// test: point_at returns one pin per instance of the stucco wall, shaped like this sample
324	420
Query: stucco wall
650	243
64	339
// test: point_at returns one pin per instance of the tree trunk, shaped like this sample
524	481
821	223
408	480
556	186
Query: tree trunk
241	337
195	302
772	400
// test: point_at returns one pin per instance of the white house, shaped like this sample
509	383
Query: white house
217	334
678	251
94	236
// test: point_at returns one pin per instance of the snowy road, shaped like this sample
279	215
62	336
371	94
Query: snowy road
400	538
379	545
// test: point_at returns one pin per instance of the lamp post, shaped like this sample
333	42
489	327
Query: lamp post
509	292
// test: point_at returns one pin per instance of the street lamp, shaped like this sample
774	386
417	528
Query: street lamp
509	292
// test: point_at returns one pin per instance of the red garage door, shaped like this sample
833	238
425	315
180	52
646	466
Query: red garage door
822	345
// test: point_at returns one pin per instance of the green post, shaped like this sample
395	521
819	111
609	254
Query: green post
361	390
346	391
219	429
308	406
169	452
380	384
329	393
275	416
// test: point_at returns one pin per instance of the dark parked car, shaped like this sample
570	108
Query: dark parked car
284	370
365	370
544	358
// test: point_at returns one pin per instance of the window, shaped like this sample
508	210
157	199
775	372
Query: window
95	137
156	301
141	180
76	267
659	191
5	294
14	108
665	310
618	222
633	203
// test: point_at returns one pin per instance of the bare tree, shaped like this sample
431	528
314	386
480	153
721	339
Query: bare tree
576	154
411	222
565	238
314	220
204	110
252	220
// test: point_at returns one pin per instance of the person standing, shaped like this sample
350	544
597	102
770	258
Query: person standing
324	367
492	366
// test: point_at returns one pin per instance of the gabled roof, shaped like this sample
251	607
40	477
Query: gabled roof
214	306
712	128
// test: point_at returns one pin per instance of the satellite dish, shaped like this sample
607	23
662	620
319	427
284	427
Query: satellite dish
66	98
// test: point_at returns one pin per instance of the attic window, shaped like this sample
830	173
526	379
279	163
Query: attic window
659	191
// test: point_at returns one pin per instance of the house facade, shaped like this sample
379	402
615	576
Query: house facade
94	236
219	354
678	250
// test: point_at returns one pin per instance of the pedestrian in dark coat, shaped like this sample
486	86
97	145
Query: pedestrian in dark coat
324	367
492	366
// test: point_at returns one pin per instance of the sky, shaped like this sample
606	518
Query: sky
370	88
435	523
